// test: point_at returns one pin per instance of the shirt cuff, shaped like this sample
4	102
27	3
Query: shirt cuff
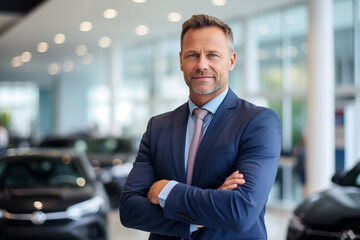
165	192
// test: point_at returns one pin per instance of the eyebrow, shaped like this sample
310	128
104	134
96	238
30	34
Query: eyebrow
207	52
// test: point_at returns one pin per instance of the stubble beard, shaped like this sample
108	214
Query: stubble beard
204	90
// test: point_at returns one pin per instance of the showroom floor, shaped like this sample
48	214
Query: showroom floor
276	220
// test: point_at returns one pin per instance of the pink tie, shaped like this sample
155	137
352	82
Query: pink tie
195	142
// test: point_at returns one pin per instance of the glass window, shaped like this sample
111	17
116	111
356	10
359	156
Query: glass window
19	108
170	88
294	48
138	73
235	76
99	109
269	51
298	117
344	42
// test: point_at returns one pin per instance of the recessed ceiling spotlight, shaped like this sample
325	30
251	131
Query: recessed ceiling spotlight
139	1
174	17
218	2
105	42
53	68
42	47
25	56
142	30
59	38
68	66
81	50
110	13
16	61
85	26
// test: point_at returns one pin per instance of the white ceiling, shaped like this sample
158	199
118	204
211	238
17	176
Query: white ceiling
65	16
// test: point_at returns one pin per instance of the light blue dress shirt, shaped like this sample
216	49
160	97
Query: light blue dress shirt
212	107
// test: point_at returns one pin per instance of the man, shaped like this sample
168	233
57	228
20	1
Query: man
240	142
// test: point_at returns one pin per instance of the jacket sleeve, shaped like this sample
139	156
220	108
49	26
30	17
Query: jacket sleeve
136	211
235	210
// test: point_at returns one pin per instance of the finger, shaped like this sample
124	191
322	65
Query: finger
234	180
232	184
228	187
235	175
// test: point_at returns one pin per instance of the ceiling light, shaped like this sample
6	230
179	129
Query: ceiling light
53	68
142	30
87	59
174	17
42	47
110	13
81	50
139	1
105	42
16	61
68	66
219	2
25	56
59	38
85	26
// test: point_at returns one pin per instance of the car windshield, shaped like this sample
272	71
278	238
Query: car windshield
41	171
352	178
109	145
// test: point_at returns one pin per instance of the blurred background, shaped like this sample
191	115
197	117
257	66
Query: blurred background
91	68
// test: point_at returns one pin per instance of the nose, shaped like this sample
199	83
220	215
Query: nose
203	63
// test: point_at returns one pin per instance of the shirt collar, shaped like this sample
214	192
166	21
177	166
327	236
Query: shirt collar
212	105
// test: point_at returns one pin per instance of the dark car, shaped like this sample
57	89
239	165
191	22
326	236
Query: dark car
50	194
112	159
331	214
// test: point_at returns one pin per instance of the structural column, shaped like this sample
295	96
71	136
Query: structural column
320	132
114	82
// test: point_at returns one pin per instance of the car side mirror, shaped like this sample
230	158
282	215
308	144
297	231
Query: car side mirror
336	178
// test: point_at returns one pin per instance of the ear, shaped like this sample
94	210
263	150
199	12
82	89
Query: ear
181	67
232	61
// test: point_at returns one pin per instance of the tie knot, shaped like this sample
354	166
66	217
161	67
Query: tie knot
200	113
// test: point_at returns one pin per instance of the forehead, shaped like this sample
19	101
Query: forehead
207	36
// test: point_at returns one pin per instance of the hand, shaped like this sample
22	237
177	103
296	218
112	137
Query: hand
233	181
155	190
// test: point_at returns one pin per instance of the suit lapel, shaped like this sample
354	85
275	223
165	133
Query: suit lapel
178	141
223	114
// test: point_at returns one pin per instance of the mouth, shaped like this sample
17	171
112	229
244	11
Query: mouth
202	77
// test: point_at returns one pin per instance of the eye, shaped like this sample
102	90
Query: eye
212	55
193	55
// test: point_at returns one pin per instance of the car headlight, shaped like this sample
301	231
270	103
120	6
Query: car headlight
2	213
296	227
88	207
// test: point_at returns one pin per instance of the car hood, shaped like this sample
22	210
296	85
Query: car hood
52	199
334	206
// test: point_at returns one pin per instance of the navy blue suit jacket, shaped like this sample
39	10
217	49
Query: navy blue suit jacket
240	137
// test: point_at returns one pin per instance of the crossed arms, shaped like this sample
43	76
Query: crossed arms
234	206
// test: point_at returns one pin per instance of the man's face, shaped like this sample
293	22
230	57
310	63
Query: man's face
206	60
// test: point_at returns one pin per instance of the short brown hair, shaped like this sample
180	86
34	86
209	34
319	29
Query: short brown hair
201	21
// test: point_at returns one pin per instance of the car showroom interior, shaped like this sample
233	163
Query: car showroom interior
80	80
